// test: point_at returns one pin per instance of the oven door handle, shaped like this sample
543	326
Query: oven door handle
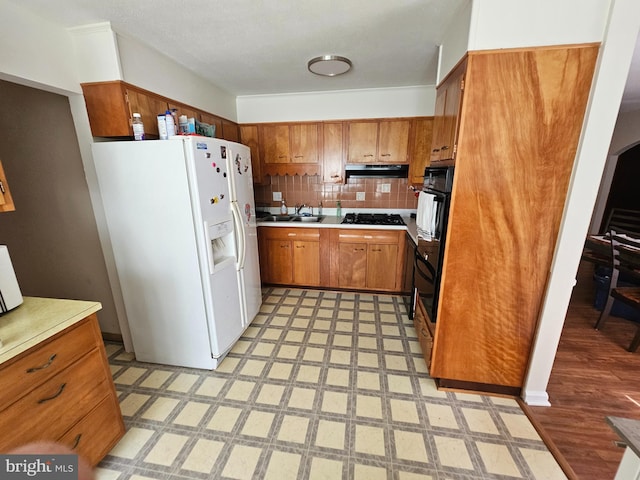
417	268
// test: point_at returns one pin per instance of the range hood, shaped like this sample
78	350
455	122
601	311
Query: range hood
376	171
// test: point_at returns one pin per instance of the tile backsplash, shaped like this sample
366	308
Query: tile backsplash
389	193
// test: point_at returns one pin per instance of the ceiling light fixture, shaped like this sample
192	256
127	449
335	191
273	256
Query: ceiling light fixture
329	65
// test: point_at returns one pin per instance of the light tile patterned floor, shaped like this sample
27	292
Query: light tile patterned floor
322	385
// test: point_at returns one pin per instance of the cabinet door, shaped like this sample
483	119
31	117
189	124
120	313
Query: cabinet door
352	265
420	154
332	148
149	107
279	261
275	141
230	131
183	110
455	88
438	125
6	201
382	266
306	263
393	141
363	141
304	143
211	120
249	137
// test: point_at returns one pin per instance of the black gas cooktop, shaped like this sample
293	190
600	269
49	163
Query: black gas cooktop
373	219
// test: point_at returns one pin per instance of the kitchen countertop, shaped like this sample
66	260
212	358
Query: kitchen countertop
628	430
37	319
333	221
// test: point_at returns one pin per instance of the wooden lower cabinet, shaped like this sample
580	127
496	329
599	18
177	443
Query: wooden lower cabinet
424	331
368	259
291	256
61	390
358	259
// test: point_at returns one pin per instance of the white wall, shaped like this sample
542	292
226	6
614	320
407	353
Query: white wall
345	104
149	69
35	52
523	23
456	40
96	51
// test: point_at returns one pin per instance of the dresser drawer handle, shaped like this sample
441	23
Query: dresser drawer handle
42	367
76	442
57	394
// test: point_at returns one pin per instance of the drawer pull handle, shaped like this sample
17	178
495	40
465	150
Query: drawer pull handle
76	442
42	367
56	395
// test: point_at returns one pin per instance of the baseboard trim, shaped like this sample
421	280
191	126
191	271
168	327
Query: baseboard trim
536	398
112	337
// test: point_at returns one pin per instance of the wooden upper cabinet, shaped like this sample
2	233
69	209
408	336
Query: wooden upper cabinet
290	143
304	143
6	201
438	125
380	141
111	105
275	141
363	142
447	116
420	152
148	106
211	120
249	137
230	131
332	152
393	141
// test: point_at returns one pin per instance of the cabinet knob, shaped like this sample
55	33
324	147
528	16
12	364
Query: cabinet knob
385	155
445	147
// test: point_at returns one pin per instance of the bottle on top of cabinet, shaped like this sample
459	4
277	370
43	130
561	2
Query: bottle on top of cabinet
162	126
171	125
138	127
283	208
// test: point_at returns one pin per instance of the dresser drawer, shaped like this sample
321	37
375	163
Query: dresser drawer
49	410
40	364
97	433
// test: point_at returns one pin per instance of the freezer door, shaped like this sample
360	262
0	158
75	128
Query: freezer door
226	325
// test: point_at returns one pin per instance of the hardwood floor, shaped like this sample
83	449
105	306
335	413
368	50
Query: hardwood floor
593	377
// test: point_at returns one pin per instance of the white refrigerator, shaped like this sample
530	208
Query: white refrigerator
182	227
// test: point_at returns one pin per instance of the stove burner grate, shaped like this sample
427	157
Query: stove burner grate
373	219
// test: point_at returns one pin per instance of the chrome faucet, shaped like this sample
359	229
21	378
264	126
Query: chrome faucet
299	208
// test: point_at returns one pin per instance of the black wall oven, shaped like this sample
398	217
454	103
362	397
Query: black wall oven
429	253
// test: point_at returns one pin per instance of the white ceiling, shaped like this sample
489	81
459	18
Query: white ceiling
252	47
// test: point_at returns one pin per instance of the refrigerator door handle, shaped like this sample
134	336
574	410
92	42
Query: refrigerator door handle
240	234
209	246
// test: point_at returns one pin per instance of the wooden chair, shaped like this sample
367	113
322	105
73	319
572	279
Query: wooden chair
627	295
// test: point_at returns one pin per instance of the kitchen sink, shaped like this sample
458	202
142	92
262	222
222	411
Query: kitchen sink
292	218
276	218
308	218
